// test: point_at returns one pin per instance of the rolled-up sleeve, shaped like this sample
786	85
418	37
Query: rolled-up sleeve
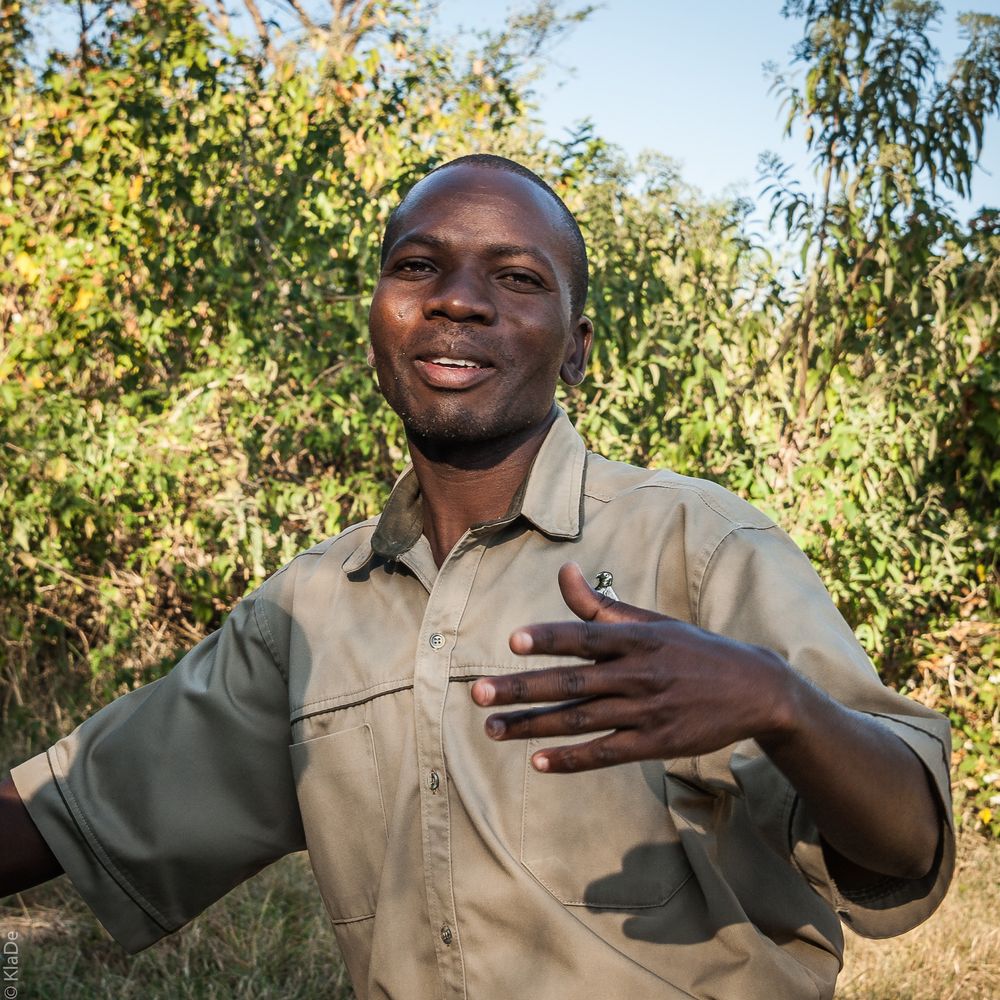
760	588
170	796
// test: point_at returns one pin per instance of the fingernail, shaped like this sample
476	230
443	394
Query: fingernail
540	763
485	692
523	640
496	728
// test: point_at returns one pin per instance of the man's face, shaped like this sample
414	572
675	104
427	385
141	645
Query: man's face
470	322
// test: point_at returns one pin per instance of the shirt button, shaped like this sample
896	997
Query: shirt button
435	781
446	934
436	640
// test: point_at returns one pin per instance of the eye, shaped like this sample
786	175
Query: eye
523	279
412	266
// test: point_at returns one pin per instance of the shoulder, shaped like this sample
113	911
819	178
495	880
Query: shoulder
302	592
325	559
629	486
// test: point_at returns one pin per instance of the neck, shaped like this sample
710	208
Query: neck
464	483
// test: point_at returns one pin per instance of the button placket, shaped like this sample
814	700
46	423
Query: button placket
443	612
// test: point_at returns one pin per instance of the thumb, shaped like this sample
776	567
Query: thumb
588	604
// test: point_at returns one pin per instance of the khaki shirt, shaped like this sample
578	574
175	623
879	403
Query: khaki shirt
333	711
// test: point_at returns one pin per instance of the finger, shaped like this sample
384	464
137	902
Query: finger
587	604
619	747
588	715
590	640
553	684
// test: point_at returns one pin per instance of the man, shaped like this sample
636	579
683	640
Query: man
740	775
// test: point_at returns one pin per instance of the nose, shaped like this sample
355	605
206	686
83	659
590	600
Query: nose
462	296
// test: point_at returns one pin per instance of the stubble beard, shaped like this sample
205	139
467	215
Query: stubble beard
454	424
451	422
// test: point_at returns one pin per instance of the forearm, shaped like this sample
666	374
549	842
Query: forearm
660	688
25	858
867	791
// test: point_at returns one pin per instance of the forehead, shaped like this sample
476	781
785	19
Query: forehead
467	201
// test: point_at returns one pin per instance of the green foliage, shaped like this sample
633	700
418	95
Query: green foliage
189	227
893	342
188	239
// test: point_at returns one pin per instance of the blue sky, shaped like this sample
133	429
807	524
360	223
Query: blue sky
685	77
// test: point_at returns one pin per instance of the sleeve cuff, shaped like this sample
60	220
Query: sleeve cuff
127	922
888	906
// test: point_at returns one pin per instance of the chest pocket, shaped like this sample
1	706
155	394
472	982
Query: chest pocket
340	798
602	839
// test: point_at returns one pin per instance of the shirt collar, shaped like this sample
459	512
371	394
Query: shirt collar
551	498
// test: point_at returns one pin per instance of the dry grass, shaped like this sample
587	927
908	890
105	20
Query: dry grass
955	955
267	940
270	940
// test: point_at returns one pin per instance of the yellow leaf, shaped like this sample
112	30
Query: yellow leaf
57	468
135	187
26	267
985	815
83	299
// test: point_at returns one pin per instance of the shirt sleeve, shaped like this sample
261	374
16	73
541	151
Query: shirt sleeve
760	588
170	796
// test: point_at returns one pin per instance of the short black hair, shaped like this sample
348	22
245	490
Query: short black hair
578	279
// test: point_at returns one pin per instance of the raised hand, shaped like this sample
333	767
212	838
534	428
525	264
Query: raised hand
659	688
662	687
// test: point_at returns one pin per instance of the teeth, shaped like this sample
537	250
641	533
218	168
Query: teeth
454	362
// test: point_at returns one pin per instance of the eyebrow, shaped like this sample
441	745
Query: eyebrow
493	250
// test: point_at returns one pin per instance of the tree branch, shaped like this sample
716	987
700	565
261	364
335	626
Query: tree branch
262	33
304	19
218	18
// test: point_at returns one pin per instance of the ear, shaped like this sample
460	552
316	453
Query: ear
574	366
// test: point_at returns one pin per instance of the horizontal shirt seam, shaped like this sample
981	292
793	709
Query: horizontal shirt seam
350	698
336	921
469	671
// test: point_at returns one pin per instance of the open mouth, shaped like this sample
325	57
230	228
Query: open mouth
442	371
455	362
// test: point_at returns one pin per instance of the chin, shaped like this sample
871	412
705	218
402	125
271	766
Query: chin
436	428
462	427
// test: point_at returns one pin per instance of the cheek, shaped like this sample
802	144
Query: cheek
389	317
376	313
552	360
